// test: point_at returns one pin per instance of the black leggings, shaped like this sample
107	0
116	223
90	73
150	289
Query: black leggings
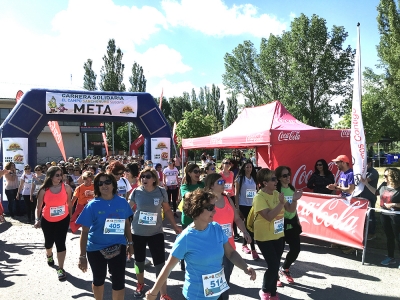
292	238
391	227
11	197
30	206
55	232
272	252
116	265
172	197
156	247
245	212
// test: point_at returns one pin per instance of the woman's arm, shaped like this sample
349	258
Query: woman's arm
82	243
39	205
69	199
370	187
21	185
270	214
128	236
311	182
238	261
170	216
237	195
239	222
162	277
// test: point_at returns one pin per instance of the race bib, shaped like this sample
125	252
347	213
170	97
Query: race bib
214	284
278	226
173	182
114	226
228	186
29	181
250	193
227	229
289	199
57	211
147	218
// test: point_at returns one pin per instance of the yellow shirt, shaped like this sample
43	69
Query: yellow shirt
263	229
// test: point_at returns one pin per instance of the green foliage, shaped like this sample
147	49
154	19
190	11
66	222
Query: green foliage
137	80
232	110
122	136
179	105
112	73
195	124
89	79
304	68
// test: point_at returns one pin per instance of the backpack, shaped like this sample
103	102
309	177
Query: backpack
251	219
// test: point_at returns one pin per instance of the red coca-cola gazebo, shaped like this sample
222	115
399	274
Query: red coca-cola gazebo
279	139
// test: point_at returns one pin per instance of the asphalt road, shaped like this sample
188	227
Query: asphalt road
319	273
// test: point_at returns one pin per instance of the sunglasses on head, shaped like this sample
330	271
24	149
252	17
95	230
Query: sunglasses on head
196	171
209	207
286	175
147	176
220	182
106	182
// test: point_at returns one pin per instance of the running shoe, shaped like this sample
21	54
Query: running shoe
165	297
286	274
139	293
246	249
50	260
264	296
388	261
61	274
254	254
279	283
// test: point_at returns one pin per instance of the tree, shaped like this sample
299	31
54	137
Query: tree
112	73
89	79
111	79
194	124
305	68
232	110
137	80
179	105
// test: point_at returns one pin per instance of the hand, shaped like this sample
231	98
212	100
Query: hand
228	194
251	272
82	264
297	195
364	180
177	229
150	296
37	224
331	186
247	237
389	205
282	199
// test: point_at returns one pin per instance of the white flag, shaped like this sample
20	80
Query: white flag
357	136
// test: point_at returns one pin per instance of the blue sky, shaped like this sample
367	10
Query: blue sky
179	43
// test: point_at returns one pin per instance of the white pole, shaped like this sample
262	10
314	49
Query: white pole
112	134
86	147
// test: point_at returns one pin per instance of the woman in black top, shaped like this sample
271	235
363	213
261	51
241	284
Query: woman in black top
321	178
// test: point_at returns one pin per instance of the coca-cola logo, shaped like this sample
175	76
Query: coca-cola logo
325	214
216	141
288	121
345	133
253	138
189	142
289	136
300	177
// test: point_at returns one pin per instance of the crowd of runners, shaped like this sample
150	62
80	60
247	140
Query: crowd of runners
119	203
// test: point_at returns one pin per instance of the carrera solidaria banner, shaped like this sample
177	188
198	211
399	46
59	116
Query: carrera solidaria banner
333	219
88	104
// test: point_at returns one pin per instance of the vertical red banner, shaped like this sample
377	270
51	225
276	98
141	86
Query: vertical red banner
55	130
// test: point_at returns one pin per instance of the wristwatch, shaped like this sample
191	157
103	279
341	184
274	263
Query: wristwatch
130	243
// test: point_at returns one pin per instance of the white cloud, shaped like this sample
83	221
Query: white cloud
214	17
82	31
160	61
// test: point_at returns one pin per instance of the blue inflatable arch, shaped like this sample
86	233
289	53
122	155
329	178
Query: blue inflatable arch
39	106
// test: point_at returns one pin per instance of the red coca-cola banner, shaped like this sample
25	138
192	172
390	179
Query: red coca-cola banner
333	219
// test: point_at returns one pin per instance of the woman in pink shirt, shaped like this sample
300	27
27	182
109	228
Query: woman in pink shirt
225	215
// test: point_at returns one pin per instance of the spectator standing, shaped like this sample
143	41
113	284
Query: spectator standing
321	178
170	181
